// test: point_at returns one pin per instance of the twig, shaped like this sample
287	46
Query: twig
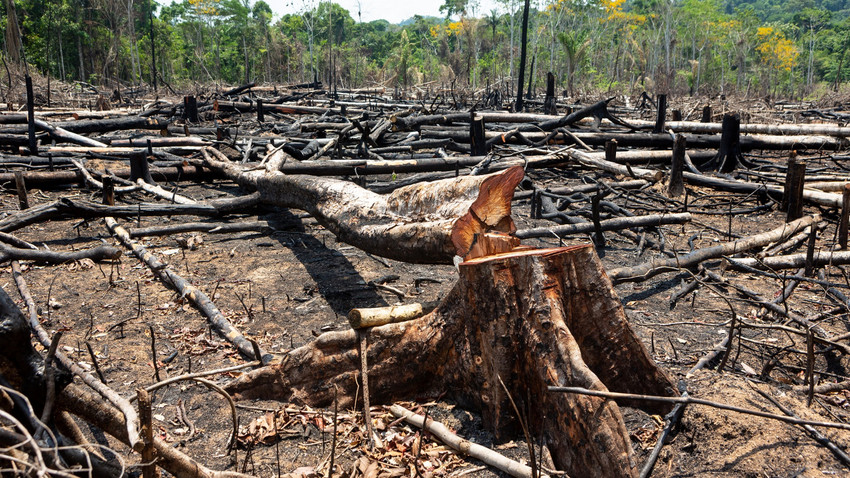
534	471
333	438
192	376
363	344
94	362
698	401
212	386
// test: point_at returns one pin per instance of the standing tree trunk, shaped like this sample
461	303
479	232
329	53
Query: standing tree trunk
522	56
13	33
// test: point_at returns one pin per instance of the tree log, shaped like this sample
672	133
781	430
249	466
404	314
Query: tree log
411	224
531	318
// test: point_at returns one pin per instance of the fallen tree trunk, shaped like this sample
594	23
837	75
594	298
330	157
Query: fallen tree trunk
411	224
813	196
69	208
531	319
664	140
55	178
791	261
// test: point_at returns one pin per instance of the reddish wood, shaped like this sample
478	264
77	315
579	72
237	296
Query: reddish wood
533	319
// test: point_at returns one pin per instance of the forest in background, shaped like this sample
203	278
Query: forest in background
768	47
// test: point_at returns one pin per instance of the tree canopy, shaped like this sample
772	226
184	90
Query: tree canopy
696	46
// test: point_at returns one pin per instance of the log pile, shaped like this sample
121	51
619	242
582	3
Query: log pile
522	204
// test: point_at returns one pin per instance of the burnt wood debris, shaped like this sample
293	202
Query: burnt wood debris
553	224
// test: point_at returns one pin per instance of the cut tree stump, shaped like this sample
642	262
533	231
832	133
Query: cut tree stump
531	317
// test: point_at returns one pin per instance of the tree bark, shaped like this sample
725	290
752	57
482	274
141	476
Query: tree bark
531	319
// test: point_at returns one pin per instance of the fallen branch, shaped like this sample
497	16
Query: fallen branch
615	224
217	320
790	261
97	254
657	266
131	419
66	208
486	455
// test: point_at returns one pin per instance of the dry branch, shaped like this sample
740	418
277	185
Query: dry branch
69	208
166	274
698	401
96	254
615	224
657	266
791	261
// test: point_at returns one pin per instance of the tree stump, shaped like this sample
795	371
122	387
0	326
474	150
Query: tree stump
531	318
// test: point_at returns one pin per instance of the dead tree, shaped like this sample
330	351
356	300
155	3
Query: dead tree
729	155
522	56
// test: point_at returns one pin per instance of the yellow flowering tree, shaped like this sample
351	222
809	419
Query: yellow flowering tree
777	53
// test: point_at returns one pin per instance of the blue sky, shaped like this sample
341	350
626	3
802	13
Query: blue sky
394	11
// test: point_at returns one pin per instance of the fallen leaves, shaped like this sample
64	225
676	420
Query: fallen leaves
403	452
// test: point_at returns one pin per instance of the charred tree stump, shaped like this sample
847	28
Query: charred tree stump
477	136
532	318
549	105
661	118
139	168
676	184
706	114
729	154
21	186
190	109
261	115
611	150
845	217
33	143
792	199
